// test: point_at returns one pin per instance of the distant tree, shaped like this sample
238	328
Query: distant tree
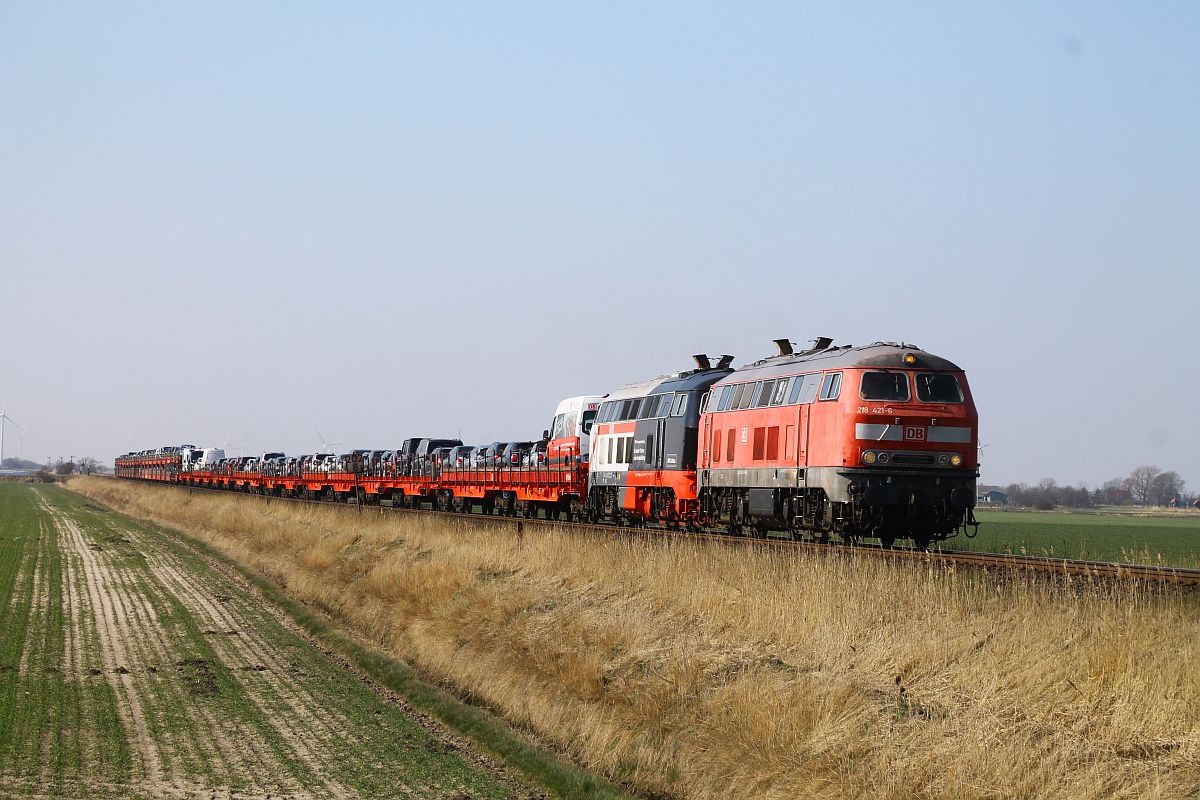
65	468
1046	496
1140	483
1165	487
88	465
1074	496
18	463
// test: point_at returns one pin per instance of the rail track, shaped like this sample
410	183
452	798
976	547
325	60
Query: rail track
1005	561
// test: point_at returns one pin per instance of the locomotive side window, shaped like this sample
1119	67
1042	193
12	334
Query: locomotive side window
739	396
797	387
745	396
811	384
762	396
588	418
938	387
726	398
781	387
890	387
716	446
666	402
730	441
679	406
773	443
832	387
804	388
650	407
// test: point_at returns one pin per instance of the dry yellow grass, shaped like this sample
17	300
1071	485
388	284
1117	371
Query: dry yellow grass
709	671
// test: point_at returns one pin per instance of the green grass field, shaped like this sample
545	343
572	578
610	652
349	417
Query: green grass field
1172	539
130	667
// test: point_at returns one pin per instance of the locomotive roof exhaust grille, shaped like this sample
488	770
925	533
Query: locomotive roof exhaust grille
784	345
702	361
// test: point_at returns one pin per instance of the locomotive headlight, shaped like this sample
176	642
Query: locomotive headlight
868	457
910	359
955	460
884	458
943	459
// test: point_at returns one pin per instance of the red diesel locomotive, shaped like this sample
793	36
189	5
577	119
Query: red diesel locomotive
841	442
831	443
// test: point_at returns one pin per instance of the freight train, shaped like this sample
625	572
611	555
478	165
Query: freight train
834	444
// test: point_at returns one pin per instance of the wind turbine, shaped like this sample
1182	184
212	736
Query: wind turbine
4	417
241	448
328	446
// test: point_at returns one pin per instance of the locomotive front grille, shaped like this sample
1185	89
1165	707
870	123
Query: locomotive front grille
909	458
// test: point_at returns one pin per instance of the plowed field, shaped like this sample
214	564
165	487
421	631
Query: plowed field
130	667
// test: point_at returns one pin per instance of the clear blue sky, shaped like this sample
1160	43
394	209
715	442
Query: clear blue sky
245	221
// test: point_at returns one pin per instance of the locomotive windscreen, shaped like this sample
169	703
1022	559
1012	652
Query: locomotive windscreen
938	387
887	386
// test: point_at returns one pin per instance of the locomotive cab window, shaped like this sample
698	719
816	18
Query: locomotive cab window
889	387
680	405
938	387
832	387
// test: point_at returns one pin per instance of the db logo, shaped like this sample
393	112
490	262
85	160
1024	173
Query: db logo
914	433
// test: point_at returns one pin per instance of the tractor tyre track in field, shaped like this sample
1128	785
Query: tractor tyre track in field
215	692
445	737
113	641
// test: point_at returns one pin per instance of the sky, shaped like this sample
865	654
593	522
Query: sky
244	223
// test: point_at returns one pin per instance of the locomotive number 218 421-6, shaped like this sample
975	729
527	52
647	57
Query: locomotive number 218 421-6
876	410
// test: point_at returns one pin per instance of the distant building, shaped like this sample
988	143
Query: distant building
1117	497
993	497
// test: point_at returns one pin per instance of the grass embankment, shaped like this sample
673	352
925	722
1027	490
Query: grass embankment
705	670
1166	538
129	667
